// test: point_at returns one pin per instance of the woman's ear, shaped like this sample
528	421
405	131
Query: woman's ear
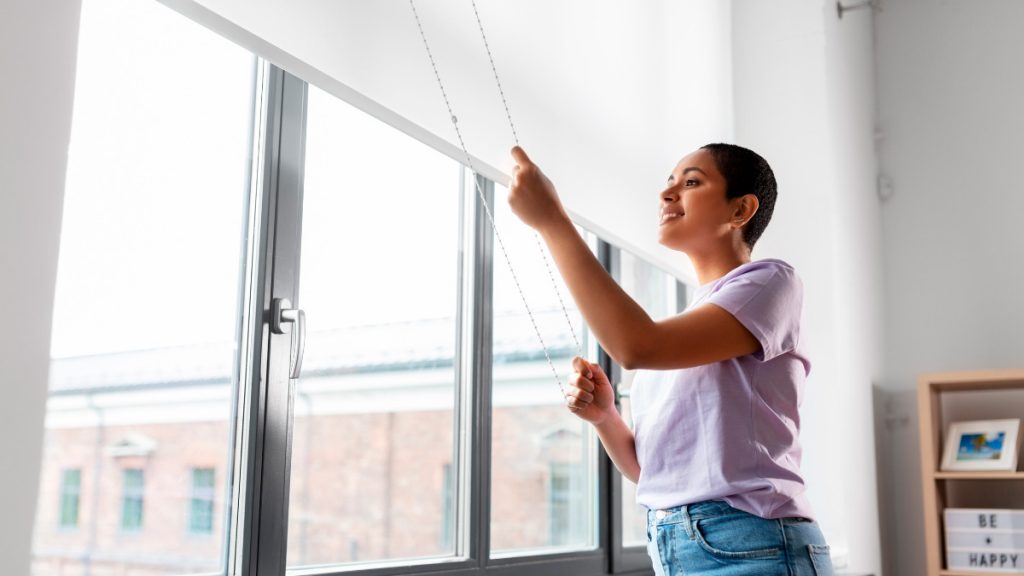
746	207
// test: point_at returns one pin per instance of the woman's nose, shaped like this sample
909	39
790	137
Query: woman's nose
669	196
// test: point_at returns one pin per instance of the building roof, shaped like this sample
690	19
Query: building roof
397	346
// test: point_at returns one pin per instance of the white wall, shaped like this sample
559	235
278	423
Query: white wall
950	88
38	43
804	99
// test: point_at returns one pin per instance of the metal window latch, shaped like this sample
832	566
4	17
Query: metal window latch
620	392
282	316
843	8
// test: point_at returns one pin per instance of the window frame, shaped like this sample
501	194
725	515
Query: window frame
260	538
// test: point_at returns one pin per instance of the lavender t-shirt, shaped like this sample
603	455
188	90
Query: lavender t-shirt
730	430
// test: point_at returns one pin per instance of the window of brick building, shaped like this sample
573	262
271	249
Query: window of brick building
448	507
70	496
566	516
200	511
132	493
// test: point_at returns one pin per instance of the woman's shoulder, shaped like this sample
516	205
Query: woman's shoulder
773	263
765	269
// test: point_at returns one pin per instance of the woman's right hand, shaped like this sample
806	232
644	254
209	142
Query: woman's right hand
590	395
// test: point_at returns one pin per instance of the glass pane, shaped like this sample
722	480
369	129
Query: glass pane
656	292
372	436
543	459
147	296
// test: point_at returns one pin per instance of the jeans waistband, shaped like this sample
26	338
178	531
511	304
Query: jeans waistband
687	512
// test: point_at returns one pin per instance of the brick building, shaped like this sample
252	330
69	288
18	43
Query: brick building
137	471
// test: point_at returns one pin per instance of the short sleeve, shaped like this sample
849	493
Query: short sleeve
768	301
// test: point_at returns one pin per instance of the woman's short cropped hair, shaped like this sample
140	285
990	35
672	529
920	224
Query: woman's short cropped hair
746	172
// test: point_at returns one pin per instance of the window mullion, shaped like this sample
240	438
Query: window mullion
622	559
609	479
481	361
266	517
238	508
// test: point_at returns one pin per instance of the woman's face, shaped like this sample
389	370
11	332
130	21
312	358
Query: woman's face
693	210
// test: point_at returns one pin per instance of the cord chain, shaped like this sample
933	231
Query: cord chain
483	199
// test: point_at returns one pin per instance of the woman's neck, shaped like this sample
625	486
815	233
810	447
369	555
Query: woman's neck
714	264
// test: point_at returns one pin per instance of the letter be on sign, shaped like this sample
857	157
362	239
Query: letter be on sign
987	521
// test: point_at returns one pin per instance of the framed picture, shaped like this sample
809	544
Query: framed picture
982	445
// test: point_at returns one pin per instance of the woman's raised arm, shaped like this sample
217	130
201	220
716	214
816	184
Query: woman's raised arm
704	335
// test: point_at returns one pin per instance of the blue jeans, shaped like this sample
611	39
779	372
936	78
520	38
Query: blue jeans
713	538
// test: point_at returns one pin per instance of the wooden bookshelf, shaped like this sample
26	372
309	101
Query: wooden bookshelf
930	388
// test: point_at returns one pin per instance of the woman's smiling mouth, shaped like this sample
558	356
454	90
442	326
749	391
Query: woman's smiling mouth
670	216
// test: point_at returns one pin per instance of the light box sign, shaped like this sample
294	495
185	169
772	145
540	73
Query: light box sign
985	540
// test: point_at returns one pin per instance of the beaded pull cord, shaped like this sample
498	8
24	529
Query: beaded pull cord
483	200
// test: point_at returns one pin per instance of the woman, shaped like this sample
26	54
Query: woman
714	448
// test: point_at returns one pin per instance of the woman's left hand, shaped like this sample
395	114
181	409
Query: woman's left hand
532	196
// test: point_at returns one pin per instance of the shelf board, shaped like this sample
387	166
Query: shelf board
963	573
978	475
974	380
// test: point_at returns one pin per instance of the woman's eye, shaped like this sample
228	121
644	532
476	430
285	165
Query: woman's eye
689	181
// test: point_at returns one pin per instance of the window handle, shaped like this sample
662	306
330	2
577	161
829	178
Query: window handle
620	392
281	317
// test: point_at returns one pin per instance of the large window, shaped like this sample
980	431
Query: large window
286	339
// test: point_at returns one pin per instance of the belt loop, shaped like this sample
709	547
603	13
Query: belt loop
684	510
